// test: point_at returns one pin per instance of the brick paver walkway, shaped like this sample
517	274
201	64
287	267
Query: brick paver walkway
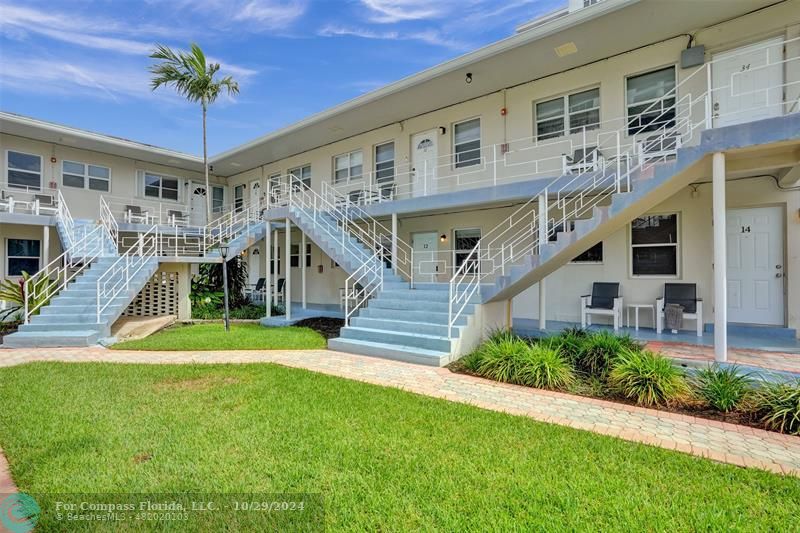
718	441
786	362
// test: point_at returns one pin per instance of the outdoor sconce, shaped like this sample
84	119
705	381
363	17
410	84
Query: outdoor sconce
443	237
256	251
442	130
319	269
468	79
53	159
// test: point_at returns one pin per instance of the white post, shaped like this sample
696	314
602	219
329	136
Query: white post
542	304
45	245
394	242
720	260
302	262
287	258
542	220
268	274
276	256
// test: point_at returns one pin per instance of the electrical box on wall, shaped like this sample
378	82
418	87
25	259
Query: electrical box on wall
693	57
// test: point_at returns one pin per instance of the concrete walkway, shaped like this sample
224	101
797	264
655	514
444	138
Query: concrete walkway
718	441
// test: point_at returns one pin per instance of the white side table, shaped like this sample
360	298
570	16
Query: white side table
636	308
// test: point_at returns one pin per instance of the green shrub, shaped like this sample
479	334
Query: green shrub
569	341
647	378
777	405
544	367
597	350
723	388
501	357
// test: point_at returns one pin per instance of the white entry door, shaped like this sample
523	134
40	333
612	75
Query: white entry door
426	262
255	193
424	154
755	266
198	215
748	83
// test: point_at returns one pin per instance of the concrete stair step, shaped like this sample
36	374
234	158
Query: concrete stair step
395	338
387	351
430	317
51	339
415	305
403	326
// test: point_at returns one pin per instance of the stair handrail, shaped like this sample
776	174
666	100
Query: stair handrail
365	282
117	277
61	270
108	222
65	217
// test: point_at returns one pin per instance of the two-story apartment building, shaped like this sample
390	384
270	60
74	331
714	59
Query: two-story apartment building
623	141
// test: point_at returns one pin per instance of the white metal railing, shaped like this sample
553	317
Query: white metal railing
644	141
364	283
28	200
108	222
53	277
337	216
116	280
66	220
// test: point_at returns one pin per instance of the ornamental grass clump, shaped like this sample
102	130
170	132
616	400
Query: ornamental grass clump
545	367
499	358
777	406
597	351
723	388
647	377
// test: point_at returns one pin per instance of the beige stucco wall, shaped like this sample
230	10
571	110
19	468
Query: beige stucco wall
517	127
84	203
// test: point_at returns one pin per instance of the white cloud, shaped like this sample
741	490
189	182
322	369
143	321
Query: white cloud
432	37
269	14
390	11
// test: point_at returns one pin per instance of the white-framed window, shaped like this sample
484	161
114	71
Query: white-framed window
384	162
467	143
85	176
275	260
161	187
650	100
655	245
23	170
238	197
303	174
294	258
217	199
464	240
348	166
22	255
568	113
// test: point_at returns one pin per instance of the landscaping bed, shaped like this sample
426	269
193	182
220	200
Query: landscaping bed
7	328
381	458
327	327
616	368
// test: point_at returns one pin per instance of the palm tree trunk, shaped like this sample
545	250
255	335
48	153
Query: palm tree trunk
205	167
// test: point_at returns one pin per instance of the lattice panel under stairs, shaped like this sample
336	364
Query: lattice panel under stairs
159	297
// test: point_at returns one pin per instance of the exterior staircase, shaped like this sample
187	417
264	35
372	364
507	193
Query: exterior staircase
71	316
406	324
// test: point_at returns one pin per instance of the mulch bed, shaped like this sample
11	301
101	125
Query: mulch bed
697	410
327	327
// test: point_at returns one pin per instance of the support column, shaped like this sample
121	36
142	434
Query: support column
394	243
542	304
302	262
268	275
287	254
45	245
542	224
720	260
276	256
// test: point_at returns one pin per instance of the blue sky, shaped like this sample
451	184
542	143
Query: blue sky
84	63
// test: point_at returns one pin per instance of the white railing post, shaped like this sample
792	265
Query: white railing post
542	220
709	96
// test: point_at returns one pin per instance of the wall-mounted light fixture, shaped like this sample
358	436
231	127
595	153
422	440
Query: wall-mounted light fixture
442	130
443	237
256	251
53	159
468	78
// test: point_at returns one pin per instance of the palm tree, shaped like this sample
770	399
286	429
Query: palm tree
192	77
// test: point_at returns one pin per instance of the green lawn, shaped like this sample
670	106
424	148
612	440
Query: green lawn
240	337
380	458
